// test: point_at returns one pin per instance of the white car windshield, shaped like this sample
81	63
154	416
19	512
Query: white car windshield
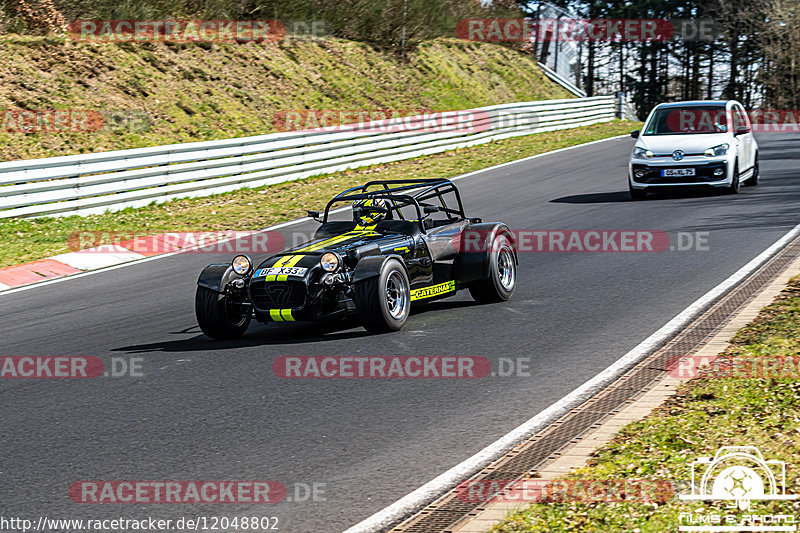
687	120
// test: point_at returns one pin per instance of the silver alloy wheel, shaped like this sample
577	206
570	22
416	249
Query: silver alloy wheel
505	268
396	295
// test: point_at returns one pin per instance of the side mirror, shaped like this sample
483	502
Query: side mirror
430	209
635	134
741	130
313	214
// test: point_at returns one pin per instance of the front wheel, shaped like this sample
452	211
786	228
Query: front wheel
733	188
499	286
218	316
383	302
753	181
637	194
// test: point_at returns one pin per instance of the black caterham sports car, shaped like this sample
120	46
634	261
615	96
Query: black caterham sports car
407	241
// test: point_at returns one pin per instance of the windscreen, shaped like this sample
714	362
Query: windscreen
688	120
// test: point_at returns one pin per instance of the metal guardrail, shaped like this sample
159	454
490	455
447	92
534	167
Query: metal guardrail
568	85
93	183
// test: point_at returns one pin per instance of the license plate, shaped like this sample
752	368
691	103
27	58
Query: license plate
676	172
281	271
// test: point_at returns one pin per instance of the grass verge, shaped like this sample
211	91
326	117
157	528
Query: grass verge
161	93
246	209
707	413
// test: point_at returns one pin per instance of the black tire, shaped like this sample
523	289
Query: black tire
733	188
752	181
637	194
383	302
217	316
499	286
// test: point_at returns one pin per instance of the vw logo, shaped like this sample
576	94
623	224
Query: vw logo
677	155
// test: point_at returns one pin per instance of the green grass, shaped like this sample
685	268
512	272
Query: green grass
196	92
707	413
29	239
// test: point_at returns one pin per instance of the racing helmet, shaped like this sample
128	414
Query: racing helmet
370	211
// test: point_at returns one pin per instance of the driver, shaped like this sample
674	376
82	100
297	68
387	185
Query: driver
370	211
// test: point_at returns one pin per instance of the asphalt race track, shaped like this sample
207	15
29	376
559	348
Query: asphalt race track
206	410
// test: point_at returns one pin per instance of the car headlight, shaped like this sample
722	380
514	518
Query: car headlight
242	265
329	262
722	149
641	153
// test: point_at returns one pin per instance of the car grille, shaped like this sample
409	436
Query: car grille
704	174
278	294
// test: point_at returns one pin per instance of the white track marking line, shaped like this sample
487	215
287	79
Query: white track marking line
434	488
98	257
278	226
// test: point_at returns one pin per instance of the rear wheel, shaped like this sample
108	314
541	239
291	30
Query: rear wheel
499	286
383	302
218	316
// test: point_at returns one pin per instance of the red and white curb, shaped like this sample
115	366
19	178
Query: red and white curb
27	273
62	265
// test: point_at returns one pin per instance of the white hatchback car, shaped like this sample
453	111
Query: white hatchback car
704	143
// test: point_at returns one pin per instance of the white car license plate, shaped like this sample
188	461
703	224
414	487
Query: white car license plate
281	271
675	172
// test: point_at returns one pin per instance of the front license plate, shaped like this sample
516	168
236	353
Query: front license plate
676	172
281	271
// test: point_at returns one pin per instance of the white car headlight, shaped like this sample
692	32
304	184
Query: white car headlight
329	262
721	149
641	153
242	265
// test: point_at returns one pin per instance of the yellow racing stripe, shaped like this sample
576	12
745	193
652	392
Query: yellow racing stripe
281	315
335	240
287	261
365	228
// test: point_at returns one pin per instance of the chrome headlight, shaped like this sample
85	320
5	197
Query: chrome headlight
721	149
329	262
641	153
242	265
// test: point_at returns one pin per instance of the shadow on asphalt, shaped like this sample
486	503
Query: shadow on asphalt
277	334
623	196
594	198
257	335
